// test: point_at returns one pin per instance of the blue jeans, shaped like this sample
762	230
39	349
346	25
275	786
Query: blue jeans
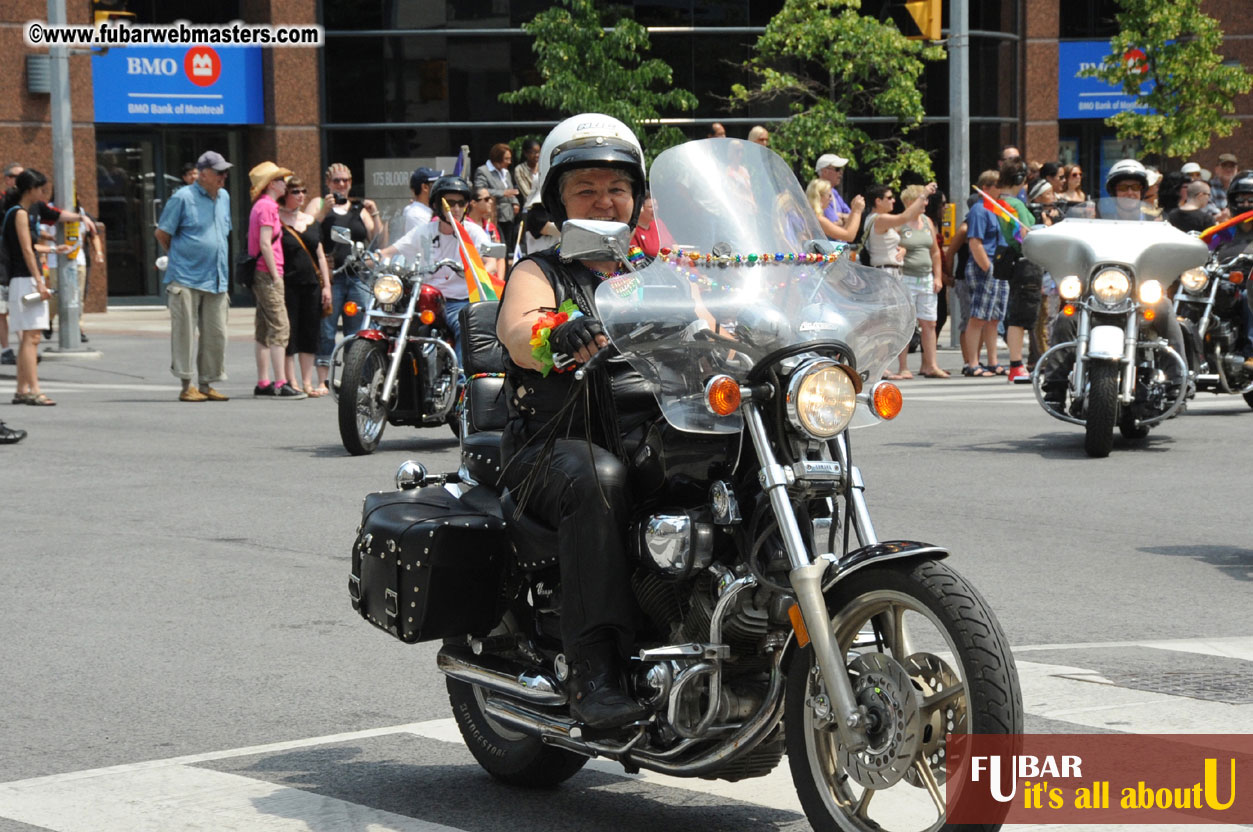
452	314
343	289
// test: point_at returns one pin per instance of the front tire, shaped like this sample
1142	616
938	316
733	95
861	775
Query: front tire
930	633
1248	398
1101	413
509	756
362	411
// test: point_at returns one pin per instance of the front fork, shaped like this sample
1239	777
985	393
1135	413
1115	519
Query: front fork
806	575
1131	336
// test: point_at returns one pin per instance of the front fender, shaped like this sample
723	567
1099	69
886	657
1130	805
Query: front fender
888	550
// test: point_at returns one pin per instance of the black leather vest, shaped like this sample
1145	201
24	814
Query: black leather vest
536	401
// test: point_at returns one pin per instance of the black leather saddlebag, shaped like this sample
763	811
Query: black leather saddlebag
427	565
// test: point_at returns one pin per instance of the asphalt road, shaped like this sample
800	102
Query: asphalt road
175	582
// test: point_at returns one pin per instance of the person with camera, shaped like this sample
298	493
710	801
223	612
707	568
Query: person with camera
456	193
361	219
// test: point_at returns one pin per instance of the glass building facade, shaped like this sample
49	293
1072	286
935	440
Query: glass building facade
419	79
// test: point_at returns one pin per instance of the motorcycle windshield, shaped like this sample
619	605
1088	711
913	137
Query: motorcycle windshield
1114	230
739	281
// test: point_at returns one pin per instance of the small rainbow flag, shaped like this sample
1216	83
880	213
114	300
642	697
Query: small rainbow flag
1002	211
482	284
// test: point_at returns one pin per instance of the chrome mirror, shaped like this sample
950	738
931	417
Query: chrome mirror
595	240
340	234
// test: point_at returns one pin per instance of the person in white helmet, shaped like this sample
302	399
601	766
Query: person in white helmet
591	167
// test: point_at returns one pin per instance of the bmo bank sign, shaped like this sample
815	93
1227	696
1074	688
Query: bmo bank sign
179	85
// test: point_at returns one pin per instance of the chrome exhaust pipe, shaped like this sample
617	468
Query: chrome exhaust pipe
499	676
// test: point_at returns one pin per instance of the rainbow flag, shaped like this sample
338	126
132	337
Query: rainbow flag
482	284
1002	212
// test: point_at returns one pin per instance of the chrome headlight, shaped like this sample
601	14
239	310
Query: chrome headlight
1150	292
1111	286
1070	287
821	398
388	289
1194	280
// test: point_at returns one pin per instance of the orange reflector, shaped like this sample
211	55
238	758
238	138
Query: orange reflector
427	316
1068	310
798	624
1236	277
723	393
1149	314
887	400
350	308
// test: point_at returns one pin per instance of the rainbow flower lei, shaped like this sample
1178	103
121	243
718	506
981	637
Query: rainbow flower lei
549	320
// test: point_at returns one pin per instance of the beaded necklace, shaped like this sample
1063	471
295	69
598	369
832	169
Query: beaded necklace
635	255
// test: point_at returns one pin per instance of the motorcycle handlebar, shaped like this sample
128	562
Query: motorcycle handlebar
595	361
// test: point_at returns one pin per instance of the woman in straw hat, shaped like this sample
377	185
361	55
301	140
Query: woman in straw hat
265	242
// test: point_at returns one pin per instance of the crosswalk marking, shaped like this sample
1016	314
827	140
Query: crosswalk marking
176	795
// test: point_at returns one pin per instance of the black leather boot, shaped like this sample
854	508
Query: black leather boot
597	698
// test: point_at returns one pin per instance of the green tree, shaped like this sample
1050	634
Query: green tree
832	64
1193	90
588	69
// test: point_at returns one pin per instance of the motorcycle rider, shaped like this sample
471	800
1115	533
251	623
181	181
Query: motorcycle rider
1238	239
566	445
1126	182
457	193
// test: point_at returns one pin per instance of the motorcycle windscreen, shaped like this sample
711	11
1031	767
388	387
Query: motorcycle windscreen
737	286
1115	230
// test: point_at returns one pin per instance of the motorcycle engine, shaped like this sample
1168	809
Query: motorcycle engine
677	543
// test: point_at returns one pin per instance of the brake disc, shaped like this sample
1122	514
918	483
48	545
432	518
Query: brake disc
932	675
884	689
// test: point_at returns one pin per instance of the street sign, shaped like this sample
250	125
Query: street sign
179	85
1091	97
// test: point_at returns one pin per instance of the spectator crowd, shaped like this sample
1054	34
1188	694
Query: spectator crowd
308	294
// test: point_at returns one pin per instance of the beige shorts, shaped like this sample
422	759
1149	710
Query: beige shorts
273	329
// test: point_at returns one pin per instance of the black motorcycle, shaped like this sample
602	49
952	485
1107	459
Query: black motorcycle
1210	306
400	368
774	619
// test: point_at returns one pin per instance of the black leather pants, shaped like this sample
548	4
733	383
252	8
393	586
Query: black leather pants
597	606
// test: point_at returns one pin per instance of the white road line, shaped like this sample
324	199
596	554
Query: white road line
180	798
1236	647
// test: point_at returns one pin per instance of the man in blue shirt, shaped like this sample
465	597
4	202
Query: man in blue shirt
830	166
989	297
194	228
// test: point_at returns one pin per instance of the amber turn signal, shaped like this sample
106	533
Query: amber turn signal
350	308
1149	314
887	400
1068	310
722	393
1236	277
798	624
427	316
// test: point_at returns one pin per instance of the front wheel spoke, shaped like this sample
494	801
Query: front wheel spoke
928	780
942	697
863	804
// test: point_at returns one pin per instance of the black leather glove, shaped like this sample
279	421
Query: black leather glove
573	335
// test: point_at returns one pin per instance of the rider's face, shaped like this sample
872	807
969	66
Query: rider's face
1127	189
598	194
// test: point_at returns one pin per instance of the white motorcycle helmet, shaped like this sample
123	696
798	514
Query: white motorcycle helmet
588	140
1126	169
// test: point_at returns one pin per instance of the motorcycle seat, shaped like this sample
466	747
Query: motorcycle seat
485	410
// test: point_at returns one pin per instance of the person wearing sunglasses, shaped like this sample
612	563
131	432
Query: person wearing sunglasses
1073	184
456	193
361	218
1238	239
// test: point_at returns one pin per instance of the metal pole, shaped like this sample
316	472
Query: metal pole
958	130
68	307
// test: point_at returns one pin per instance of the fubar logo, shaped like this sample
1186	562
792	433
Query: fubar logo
202	66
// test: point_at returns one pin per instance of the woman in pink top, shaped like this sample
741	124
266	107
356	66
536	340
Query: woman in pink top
265	242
